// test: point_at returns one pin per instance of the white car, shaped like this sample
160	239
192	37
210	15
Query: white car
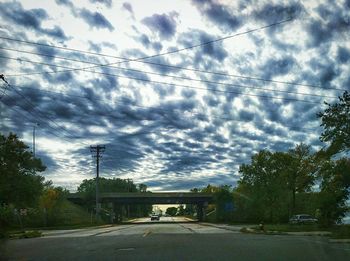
302	219
155	217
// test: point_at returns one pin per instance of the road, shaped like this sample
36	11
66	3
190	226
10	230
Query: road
171	241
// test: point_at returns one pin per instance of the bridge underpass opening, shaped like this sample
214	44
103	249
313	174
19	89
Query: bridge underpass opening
120	202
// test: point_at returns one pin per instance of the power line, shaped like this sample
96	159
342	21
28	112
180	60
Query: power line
155	55
19	112
41	114
168	66
156	109
37	114
147	72
172	84
34	120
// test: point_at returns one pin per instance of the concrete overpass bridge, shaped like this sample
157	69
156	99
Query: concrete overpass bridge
198	199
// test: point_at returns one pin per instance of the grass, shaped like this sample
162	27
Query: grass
337	231
293	228
341	232
74	226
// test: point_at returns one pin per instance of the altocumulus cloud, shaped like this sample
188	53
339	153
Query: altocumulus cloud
95	19
163	24
158	133
30	19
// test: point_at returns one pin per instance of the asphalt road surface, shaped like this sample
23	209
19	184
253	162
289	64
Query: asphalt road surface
171	241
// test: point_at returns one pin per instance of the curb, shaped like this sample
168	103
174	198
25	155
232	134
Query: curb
345	240
225	227
310	233
302	233
55	232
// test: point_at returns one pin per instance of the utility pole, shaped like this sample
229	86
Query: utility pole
129	190
96	153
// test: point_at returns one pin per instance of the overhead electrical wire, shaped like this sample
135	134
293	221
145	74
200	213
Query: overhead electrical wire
165	65
178	50
195	70
157	109
147	72
38	115
138	132
164	53
35	120
173	84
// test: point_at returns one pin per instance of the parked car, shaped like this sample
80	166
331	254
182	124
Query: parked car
302	219
154	217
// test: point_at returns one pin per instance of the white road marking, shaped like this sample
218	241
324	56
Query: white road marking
126	249
147	233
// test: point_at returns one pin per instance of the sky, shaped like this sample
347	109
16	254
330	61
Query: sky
181	93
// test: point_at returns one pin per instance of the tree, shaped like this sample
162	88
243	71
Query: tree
336	123
88	190
298	170
88	187
335	184
171	211
181	210
51	201
224	203
263	182
19	183
142	188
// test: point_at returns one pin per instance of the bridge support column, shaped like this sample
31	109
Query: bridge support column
200	212
118	211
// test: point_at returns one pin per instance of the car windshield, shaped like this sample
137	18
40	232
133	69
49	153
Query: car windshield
175	130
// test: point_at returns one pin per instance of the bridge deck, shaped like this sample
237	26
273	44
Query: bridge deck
150	198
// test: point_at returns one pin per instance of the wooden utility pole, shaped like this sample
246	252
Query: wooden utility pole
96	153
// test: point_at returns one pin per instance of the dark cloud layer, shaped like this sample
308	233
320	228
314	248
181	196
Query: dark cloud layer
30	19
334	22
277	66
163	24
213	51
271	13
95	19
219	15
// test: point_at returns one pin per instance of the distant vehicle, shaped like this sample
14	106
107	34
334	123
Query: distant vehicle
155	217
302	219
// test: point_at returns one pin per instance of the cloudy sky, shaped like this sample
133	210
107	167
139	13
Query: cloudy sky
180	92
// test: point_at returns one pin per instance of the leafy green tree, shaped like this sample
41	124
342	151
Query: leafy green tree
142	188
224	203
88	190
336	122
181	210
171	211
51	201
335	177
263	182
88	187
209	189
298	167
19	183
